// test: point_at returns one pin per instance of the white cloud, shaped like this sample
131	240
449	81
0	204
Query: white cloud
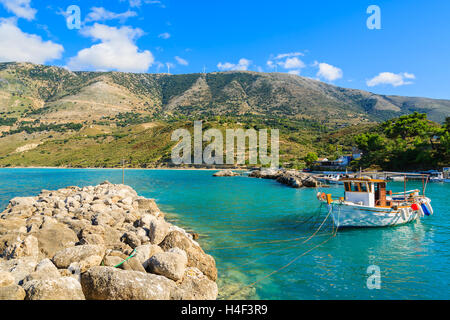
101	14
21	8
288	61
164	35
17	45
409	75
181	61
242	65
292	63
394	79
288	55
138	3
328	72
116	51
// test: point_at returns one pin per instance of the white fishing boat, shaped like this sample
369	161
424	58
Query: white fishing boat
330	179
444	176
437	177
367	203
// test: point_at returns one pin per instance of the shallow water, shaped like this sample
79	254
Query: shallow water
253	227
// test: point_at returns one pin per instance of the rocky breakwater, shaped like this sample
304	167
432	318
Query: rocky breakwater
226	173
291	178
99	242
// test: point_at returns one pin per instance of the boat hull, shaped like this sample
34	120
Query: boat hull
361	216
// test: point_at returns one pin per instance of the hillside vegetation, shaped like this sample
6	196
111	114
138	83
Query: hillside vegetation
409	142
50	116
56	94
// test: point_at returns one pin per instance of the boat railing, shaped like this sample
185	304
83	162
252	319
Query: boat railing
406	192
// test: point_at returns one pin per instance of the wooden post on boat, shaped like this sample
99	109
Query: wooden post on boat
404	187
423	186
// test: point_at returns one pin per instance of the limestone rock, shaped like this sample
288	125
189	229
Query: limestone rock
26	248
64	288
102	218
310	182
290	181
226	173
148	206
145	252
6	279
22	201
132	264
112	261
292	178
158	229
12	224
78	229
196	256
12	292
45	270
107	283
62	259
92	239
196	286
19	268
77	226
54	238
131	239
86	263
170	264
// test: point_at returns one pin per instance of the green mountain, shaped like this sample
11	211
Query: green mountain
58	95
50	116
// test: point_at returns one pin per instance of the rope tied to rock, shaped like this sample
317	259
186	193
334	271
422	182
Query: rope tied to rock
131	256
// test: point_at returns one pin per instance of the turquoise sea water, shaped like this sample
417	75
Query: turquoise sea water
253	227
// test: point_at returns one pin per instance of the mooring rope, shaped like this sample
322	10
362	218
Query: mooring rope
276	241
131	256
269	254
278	270
333	234
259	243
254	229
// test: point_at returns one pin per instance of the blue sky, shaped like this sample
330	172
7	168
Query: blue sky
325	40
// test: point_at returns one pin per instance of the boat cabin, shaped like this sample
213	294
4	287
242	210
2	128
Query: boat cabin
366	191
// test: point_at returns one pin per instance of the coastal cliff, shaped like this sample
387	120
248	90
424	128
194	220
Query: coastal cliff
99	242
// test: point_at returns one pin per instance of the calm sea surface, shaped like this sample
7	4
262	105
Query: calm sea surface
256	227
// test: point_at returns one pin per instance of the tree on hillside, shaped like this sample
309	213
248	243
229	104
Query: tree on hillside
310	158
406	142
412	125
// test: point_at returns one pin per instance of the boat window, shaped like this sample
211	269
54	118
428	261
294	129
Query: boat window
355	187
347	186
363	187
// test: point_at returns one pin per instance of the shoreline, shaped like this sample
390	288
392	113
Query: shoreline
90	168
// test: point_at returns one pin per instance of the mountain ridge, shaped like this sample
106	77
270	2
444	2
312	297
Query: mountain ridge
54	94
